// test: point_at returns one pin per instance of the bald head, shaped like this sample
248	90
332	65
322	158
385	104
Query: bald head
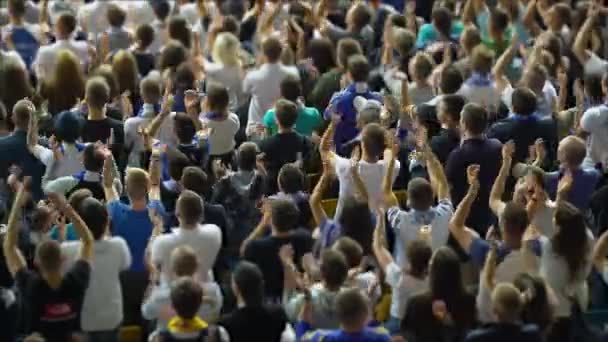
571	151
22	111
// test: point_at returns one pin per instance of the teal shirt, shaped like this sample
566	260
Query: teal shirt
70	233
428	35
308	121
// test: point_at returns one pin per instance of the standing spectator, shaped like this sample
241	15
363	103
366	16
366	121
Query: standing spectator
64	85
449	108
144	37
92	18
116	37
593	124
22	36
221	123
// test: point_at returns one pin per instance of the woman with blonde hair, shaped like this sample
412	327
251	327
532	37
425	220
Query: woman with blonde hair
66	85
226	67
14	83
124	67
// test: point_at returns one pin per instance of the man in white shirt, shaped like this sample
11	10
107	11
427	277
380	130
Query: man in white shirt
204	239
594	123
93	19
264	85
65	26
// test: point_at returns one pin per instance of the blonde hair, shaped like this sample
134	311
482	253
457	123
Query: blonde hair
226	49
507	301
137	182
124	67
66	84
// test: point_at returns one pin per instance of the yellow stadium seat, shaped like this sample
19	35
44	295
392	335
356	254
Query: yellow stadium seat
131	333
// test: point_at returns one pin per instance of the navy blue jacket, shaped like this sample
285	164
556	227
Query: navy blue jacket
14	151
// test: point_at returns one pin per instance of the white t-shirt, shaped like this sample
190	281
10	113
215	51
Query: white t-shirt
13	57
544	105
264	86
371	174
93	19
44	64
595	65
485	96
102	306
133	139
229	76
205	240
221	136
404	286
407	226
595	122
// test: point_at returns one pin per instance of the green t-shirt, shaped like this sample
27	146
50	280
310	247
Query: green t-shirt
308	120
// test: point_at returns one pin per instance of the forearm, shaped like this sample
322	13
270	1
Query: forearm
316	205
156	123
79	225
500	182
503	62
581	41
383	256
438	178
464	208
599	252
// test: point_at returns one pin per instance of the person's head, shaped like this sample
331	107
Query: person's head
177	162
105	71
92	158
552	44
78	196
347	48
48	257
450	80
226	49
67	127
593	89
571	152
334	269
97	93
67	81
137	183
482	60
179	30
419	255
571	240
218	98
558	15
421	66
232	25
523	101
189	209
248	283
184	128
16	8
368	111
372	140
445	275
15	83
356	222
352	309
246	156
184	78
116	16
419	194
537	308
144	35
470	38
186	297
173	54
95	215
183	261
286	113
498	22
473	119
272	48
161	9
150	90
65	25
22	112
291	179
358	68
351	249
506	303
284	214
405	43
442	20
449	109
291	89
513	222
42	218
358	16
195	179
124	67
322	53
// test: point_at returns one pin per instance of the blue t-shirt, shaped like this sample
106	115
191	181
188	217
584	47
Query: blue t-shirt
479	250
583	185
70	233
369	334
135	227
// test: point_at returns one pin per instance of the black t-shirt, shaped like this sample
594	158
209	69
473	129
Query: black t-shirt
265	253
145	62
99	130
55	313
244	324
280	149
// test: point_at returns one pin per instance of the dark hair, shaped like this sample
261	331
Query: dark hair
570	241
97	92
351	249
186	297
218	98
249	281
16	8
593	88
14	83
515	219
419	254
482	59
291	89
537	309
372	139
450	80
177	162
190	207
499	19
453	105
184	128
475	118
322	53
419	194
358	68
272	49
351	306
286	113
116	16
285	214
39	218
524	101
445	278
48	256
95	215
178	29
184	78
361	15
195	179
347	47
334	268
161	9
92	158
356	222
231	25
67	21
291	179
78	196
247	156
442	20
67	127
145	34
173	54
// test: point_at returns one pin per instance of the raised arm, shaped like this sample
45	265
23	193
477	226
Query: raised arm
108	179
390	200
154	172
14	259
498	189
579	48
382	254
165	110
457	223
316	206
360	189
327	140
503	63
439	182
86	238
599	252
489	268
563	187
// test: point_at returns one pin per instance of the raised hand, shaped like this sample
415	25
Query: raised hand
286	254
125	103
507	150
473	174
539	149
564	185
